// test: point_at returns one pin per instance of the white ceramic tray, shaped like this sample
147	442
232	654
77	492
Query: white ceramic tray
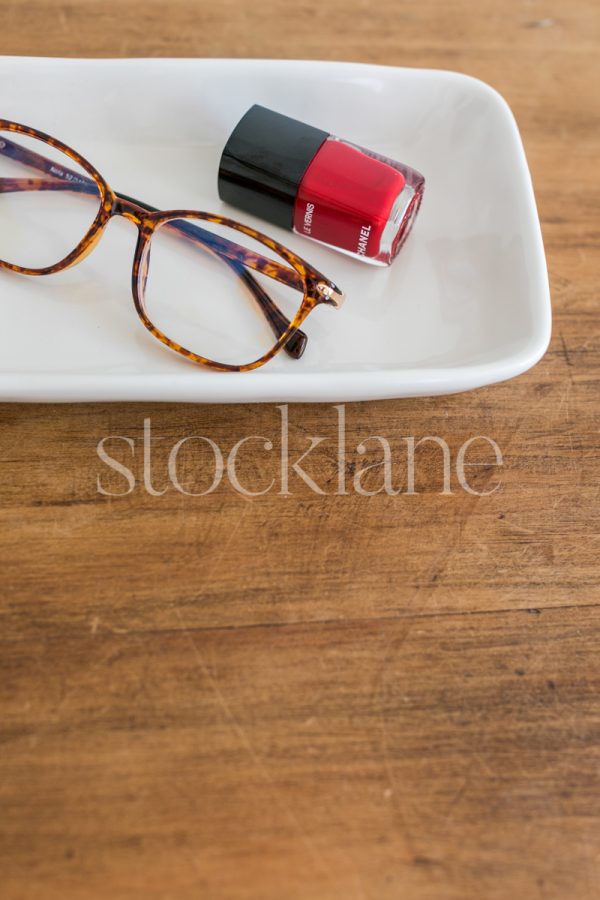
465	304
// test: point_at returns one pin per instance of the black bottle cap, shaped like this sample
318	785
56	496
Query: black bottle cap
264	161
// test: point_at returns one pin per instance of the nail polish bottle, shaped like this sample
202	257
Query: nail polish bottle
318	185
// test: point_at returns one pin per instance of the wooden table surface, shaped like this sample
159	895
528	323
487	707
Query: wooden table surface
320	696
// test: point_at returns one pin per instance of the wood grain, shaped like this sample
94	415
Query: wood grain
319	696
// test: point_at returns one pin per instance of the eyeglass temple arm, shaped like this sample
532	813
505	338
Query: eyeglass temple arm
237	257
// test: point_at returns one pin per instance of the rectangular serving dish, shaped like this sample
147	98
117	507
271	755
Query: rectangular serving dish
465	304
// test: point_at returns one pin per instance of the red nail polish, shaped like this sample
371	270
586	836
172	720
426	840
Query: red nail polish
325	188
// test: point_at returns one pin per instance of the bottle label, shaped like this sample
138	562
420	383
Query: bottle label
363	240
360	243
308	217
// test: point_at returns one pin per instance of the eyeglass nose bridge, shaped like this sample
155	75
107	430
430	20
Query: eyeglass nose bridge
129	209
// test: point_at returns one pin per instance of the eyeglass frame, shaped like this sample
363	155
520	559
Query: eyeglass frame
316	288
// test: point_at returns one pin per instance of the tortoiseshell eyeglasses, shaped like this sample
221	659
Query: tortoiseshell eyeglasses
212	289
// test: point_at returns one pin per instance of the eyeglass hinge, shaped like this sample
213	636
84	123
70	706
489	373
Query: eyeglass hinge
331	294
